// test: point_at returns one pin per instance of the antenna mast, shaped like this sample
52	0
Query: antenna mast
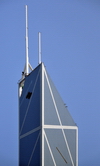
39	48
27	63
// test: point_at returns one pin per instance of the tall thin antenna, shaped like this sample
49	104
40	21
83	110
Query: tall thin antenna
27	68
39	48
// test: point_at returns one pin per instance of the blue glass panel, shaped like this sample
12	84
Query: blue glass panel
31	77
28	87
58	147
33	111
30	106
71	138
47	156
65	116
50	116
27	145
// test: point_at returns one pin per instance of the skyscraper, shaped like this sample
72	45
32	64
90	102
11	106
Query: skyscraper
48	136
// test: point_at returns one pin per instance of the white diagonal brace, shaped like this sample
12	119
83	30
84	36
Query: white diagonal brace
50	149
30	132
33	149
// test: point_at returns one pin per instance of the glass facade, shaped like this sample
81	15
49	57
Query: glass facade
47	132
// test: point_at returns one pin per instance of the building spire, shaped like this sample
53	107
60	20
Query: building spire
27	58
40	52
27	64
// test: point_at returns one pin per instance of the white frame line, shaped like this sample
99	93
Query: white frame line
49	149
42	123
60	127
59	118
77	147
68	147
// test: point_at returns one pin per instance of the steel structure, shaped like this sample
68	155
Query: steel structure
48	136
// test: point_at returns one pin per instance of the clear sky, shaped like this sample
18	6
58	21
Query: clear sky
71	53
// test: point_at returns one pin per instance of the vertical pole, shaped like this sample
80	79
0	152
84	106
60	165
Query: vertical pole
39	48
27	41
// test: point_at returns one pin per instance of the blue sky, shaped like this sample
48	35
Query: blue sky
71	53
